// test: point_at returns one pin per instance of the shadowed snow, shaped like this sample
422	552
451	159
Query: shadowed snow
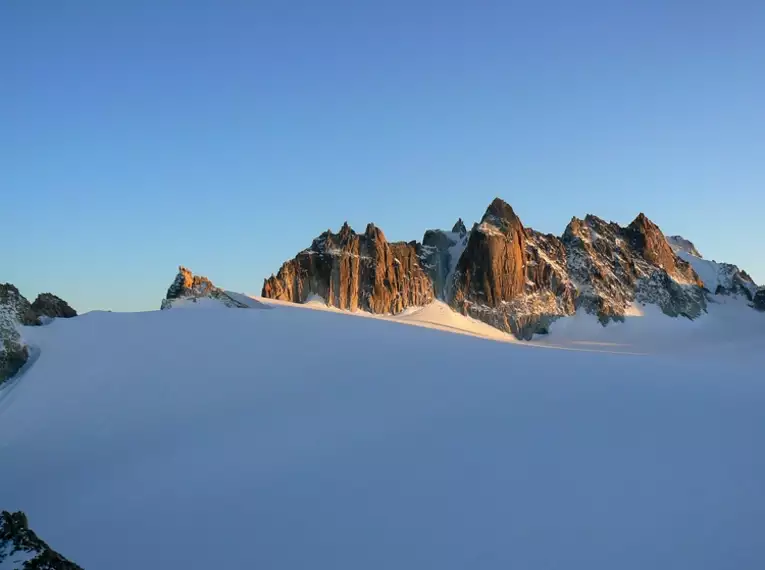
295	438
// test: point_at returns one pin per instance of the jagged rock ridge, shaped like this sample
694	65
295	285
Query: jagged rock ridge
510	276
22	549
355	271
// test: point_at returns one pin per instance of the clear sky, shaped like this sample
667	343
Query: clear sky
137	135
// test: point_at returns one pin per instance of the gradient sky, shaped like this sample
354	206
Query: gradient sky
137	135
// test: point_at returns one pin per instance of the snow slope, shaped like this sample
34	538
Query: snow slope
437	315
294	438
725	276
714	274
729	322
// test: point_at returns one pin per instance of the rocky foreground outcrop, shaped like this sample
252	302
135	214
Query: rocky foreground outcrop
355	271
507	275
16	311
22	549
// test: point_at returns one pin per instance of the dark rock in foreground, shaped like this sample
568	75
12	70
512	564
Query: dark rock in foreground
759	299
18	306
22	549
15	311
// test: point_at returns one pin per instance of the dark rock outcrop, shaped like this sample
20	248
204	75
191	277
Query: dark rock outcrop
16	311
13	353
507	275
22	549
759	299
355	271
18	305
49	305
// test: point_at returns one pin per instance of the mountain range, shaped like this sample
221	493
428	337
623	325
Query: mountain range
509	276
513	277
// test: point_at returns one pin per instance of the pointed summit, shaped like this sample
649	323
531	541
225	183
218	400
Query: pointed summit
459	227
500	215
643	224
345	232
501	210
373	232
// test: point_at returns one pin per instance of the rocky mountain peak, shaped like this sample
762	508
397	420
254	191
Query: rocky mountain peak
491	270
459	227
189	287
574	228
501	215
647	239
373	232
345	232
186	284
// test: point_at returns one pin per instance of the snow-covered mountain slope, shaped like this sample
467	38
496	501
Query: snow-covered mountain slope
681	245
292	439
718	278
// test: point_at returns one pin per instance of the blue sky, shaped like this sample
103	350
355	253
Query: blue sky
139	135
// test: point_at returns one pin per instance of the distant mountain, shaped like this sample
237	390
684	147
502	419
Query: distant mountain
189	289
509	276
718	278
681	245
